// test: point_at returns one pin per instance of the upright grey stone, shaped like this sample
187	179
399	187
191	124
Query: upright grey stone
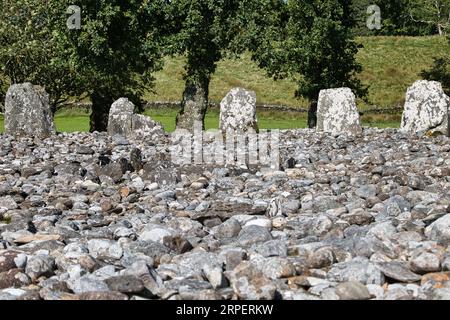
238	111
337	112
28	112
426	108
123	121
120	117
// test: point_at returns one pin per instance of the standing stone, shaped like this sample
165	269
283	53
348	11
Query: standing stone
337	112
123	121
238	111
426	108
27	111
120	117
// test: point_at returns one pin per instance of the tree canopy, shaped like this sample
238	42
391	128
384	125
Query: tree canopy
204	31
30	48
440	71
313	43
112	54
399	17
434	13
115	52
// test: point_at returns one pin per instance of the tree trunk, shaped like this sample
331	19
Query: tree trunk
101	103
312	114
194	104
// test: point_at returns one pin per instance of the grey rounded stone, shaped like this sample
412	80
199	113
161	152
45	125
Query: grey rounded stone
238	111
228	229
352	290
426	108
253	234
125	284
337	112
40	265
425	263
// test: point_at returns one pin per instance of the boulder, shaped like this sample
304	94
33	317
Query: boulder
238	111
337	112
251	284
123	121
426	109
40	265
439	230
28	112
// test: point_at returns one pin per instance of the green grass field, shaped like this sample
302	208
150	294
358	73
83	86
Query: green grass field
390	65
72	121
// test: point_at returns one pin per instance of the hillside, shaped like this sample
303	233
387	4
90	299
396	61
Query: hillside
390	65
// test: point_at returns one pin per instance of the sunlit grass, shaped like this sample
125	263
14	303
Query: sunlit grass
72	121
390	65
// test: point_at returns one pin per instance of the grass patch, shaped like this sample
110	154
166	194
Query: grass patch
390	66
78	120
266	119
71	122
272	119
230	73
381	121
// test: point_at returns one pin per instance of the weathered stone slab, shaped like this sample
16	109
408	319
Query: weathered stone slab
426	109
337	112
238	111
123	121
28	112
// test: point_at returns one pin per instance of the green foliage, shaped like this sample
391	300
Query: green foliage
112	55
316	46
117	40
115	51
30	50
359	8
434	13
440	71
205	31
395	17
390	66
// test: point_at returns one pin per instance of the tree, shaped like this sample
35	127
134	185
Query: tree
359	8
2	94
314	44
116	51
111	55
395	18
435	13
440	71
204	31
29	50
